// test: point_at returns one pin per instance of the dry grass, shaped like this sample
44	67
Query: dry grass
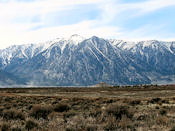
100	109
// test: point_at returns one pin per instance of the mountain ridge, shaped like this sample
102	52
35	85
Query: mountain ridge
78	61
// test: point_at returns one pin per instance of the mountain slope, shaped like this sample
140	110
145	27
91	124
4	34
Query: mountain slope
78	61
9	79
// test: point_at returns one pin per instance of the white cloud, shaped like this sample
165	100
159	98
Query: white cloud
157	4
84	28
11	10
15	19
143	33
14	31
150	6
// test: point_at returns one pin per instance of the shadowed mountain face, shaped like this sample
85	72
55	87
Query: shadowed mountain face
78	61
9	79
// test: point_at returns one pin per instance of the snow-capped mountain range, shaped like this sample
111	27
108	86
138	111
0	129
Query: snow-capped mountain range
79	61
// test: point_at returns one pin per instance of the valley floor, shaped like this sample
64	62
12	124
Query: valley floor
139	108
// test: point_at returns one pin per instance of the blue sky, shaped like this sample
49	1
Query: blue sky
31	21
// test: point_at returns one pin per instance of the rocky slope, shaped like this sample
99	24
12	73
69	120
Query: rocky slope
77	61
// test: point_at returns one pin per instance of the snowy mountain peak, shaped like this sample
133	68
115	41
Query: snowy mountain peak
76	35
76	39
69	61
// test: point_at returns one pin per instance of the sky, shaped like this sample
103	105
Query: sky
32	21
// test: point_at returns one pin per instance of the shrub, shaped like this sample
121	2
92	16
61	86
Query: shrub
110	124
157	107
30	124
1	112
125	123
95	113
16	129
52	115
69	114
119	110
163	112
5	127
173	128
142	117
13	115
155	100
91	128
162	120
70	129
165	101
135	102
39	111
61	108
108	101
